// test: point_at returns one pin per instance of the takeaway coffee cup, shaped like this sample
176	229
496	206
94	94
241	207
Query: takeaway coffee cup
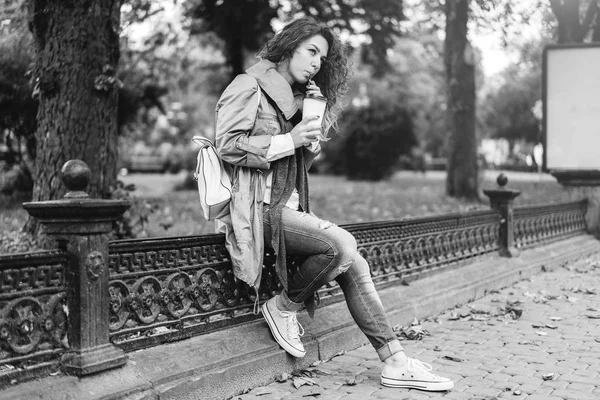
314	104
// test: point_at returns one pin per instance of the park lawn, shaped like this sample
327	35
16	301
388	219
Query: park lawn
334	198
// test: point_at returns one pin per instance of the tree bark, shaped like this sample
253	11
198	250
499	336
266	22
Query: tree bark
77	51
570	27
461	180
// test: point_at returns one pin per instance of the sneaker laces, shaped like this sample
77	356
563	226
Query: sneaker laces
294	329
415	364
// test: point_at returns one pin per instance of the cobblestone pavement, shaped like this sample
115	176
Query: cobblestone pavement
552	351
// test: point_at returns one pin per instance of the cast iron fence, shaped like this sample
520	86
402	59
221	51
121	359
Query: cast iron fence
81	306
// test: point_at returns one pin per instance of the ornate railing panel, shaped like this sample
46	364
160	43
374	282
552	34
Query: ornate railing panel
33	319
171	288
406	248
537	224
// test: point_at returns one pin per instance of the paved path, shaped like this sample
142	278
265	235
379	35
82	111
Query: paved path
550	352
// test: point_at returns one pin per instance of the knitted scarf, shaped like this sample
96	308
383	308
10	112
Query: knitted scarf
289	173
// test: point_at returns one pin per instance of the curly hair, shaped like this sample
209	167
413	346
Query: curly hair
335	71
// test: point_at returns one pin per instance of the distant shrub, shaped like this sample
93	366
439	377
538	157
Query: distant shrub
372	140
189	182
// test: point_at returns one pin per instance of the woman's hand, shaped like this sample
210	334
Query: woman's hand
312	88
307	131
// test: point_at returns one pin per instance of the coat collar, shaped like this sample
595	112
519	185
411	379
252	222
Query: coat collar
275	85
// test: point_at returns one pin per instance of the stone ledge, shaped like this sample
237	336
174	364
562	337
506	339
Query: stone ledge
222	364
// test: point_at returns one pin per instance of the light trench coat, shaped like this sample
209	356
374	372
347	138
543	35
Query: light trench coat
245	122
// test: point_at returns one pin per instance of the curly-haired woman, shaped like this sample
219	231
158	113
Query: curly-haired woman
268	146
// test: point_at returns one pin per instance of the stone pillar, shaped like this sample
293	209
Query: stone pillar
501	200
81	226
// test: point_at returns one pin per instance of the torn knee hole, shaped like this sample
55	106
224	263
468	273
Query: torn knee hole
323	224
344	267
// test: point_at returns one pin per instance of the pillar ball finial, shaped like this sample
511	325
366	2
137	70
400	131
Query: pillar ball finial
502	180
75	175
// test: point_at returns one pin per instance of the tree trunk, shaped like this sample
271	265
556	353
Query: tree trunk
235	56
461	180
77	51
570	27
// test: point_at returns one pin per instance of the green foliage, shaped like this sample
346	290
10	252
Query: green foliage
418	81
244	25
374	138
134	222
507	108
18	108
13	179
507	113
241	25
19	241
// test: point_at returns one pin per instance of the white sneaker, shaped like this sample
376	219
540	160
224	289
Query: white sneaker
285	328
415	375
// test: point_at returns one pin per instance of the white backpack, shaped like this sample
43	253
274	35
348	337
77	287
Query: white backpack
214	185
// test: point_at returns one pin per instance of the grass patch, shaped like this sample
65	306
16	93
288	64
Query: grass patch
333	198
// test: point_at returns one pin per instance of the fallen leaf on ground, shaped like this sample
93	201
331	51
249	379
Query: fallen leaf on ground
550	326
261	391
593	316
413	332
526	342
314	391
354	380
513	309
453	316
452	358
572	299
584	290
548	376
301	381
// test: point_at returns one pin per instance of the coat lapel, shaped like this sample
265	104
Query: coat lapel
275	86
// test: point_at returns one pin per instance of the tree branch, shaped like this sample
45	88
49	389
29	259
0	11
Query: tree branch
590	16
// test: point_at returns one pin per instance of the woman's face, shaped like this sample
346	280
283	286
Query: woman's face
306	60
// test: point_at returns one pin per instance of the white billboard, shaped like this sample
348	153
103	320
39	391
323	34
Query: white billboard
571	97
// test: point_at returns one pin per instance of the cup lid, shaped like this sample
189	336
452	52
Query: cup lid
315	96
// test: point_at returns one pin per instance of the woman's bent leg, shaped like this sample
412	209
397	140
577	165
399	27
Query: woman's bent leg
332	254
368	312
330	251
366	308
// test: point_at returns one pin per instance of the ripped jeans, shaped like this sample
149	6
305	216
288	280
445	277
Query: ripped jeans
332	254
